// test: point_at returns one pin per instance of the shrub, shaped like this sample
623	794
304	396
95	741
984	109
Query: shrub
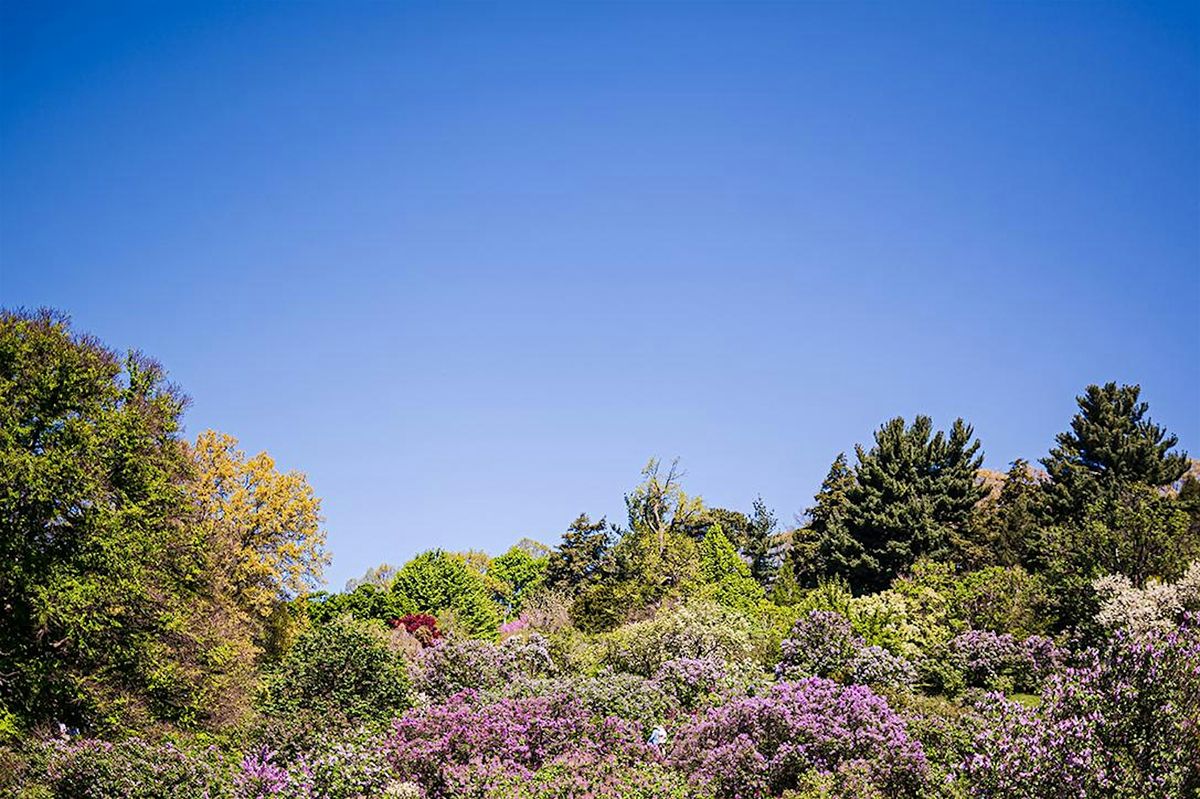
822	644
696	630
547	610
134	768
618	694
691	680
607	778
461	746
1124	725
1157	606
346	766
452	666
421	626
999	662
344	668
761	746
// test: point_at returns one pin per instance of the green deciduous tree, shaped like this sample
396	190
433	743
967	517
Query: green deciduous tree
435	582
107	611
515	575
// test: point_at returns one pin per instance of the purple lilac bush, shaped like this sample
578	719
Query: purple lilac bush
999	661
689	680
761	746
1125	723
448	667
822	644
460	745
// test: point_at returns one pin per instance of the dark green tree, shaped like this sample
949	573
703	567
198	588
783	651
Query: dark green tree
1008	528
1112	444
825	546
913	492
578	557
760	544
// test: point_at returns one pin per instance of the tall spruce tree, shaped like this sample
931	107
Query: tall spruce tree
825	547
912	493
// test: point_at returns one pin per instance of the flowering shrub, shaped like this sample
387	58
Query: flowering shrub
263	778
822	644
697	630
1157	606
134	769
421	626
459	744
449	666
1124	724
340	767
689	680
998	661
607	778
618	694
513	627
761	746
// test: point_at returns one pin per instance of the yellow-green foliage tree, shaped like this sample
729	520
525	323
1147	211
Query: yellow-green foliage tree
263	526
726	576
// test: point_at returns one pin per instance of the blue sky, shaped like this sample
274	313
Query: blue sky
469	266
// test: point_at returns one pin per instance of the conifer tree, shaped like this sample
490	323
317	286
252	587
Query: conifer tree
911	494
725	575
580	554
825	547
1111	446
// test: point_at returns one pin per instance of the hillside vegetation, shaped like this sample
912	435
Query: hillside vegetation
929	628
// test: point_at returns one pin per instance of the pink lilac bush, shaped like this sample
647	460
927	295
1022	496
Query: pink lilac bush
1124	724
460	745
761	746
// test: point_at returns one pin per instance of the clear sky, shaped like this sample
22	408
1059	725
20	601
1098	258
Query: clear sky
469	266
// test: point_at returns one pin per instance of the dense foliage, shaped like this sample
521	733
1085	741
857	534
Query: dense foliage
930	629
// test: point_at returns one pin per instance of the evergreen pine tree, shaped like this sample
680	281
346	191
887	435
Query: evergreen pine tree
913	493
1111	446
760	544
825	547
580	554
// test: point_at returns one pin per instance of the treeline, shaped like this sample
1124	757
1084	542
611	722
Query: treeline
146	578
1113	497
